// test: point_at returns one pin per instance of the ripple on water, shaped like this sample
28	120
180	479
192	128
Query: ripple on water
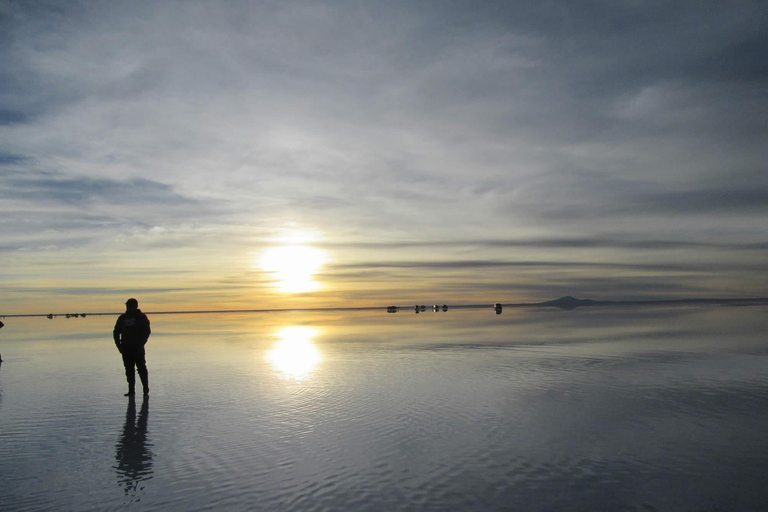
545	426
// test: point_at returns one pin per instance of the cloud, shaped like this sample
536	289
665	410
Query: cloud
612	242
664	204
609	267
93	202
83	191
90	291
26	179
11	117
10	158
479	264
496	133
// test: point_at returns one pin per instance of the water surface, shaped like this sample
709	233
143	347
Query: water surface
541	409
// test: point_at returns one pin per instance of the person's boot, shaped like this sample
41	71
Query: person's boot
144	376
131	376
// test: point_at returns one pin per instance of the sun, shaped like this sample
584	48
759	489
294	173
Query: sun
293	267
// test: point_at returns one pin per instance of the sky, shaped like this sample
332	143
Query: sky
244	154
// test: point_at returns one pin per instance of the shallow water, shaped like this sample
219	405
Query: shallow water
539	409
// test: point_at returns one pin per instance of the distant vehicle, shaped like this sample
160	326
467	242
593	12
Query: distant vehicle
445	307
497	308
423	307
393	309
50	316
436	308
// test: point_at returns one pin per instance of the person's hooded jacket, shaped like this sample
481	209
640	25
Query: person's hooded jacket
131	330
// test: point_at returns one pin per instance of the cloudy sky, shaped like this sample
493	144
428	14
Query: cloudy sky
202	155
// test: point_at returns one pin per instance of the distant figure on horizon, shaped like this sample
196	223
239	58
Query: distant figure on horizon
131	334
1	326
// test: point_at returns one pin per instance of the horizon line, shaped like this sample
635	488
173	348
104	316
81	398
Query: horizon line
557	303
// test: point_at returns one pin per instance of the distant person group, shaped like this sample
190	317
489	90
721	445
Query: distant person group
131	334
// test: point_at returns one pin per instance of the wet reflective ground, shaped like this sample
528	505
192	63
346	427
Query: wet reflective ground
541	409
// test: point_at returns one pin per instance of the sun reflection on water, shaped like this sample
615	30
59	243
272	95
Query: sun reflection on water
294	354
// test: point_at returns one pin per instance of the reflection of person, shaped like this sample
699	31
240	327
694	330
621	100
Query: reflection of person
134	458
131	334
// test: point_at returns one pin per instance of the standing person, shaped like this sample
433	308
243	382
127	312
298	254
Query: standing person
1	326
131	334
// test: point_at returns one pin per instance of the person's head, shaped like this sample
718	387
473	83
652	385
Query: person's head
131	304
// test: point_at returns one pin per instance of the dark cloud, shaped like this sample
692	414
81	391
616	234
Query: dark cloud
561	265
10	158
740	60
704	201
84	190
49	212
470	264
689	202
11	117
630	43
28	92
558	243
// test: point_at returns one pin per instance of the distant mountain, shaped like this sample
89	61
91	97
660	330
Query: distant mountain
569	303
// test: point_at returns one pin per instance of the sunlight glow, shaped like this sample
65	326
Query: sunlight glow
293	263
293	267
294	354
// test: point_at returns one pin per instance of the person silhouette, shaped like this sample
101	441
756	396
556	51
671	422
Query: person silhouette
133	454
131	334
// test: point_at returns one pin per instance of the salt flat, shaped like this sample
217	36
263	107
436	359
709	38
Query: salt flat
598	408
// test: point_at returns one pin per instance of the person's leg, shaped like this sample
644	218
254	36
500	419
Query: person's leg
129	362
141	366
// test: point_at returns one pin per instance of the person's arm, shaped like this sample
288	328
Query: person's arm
148	331
116	334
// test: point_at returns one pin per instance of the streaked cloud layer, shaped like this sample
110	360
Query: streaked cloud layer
440	151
